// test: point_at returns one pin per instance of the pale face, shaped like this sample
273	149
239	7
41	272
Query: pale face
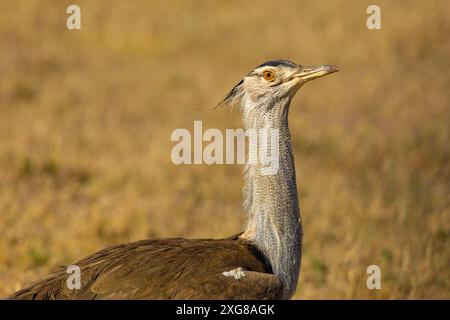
272	82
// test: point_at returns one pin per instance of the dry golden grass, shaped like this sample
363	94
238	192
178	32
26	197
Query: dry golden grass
86	117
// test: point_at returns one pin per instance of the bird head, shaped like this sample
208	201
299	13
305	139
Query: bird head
270	87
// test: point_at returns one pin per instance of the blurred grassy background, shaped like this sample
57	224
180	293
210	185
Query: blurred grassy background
86	118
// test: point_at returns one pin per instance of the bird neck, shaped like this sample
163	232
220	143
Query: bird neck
271	200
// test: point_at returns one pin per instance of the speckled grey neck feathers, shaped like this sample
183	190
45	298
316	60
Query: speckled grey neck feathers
271	201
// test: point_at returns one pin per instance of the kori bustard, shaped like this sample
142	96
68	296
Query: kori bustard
263	262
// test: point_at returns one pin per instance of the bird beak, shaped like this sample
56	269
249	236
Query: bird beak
309	73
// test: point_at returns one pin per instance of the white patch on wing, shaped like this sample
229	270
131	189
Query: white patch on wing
237	273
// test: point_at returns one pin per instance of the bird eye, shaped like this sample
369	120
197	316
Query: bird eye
268	75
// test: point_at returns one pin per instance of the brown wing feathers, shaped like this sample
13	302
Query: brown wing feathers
165	269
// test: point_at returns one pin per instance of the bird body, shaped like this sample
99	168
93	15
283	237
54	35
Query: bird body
261	263
165	269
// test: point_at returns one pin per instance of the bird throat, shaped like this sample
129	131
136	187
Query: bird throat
271	201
